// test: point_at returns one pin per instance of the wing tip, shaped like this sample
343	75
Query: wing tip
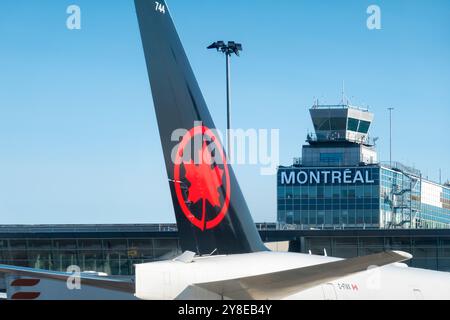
403	254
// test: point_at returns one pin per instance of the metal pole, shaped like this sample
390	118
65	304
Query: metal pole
228	50
228	102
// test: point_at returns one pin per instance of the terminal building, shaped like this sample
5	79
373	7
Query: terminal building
339	183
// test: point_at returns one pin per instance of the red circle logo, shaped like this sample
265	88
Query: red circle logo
197	183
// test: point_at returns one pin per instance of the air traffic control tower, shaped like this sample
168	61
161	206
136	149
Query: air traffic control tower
341	137
339	182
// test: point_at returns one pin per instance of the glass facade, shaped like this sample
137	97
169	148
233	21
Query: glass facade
435	205
114	254
410	201
430	251
327	203
376	197
400	199
114	251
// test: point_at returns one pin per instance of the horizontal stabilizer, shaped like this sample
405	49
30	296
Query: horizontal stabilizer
121	285
279	285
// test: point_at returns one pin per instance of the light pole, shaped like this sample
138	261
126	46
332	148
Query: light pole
390	135
228	49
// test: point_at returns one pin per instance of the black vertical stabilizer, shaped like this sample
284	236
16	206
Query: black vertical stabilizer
211	212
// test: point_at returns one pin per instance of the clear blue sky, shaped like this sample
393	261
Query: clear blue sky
78	135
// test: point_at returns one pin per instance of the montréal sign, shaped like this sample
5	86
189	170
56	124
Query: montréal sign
325	176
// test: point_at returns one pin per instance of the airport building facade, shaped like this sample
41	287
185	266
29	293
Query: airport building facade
111	249
339	182
115	249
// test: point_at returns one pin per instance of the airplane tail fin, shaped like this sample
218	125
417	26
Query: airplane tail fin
210	209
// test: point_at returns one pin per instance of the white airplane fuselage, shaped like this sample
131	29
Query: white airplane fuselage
169	280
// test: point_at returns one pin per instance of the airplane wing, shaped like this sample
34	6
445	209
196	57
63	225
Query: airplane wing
279	285
119	285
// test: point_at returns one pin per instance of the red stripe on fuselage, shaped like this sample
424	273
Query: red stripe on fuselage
25	296
25	282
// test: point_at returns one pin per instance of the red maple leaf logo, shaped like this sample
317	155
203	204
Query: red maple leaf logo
205	180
